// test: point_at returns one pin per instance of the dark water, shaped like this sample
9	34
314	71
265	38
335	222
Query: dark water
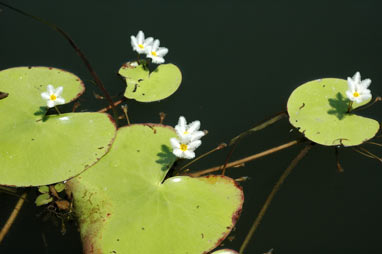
240	61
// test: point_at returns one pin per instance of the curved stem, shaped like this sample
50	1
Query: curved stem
219	147
247	159
75	47
12	217
109	107
277	186
259	126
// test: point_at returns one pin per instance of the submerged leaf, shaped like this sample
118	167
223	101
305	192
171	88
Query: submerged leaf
147	87
125	205
319	110
36	149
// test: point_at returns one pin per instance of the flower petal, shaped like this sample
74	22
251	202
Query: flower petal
148	41
182	122
188	154
349	94
194	144
162	52
194	126
50	89
133	41
59	91
178	153
175	143
140	37
197	135
365	83
50	104
60	101
45	95
351	85
155	45
357	77
156	59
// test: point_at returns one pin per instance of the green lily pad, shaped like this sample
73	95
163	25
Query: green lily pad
318	109
40	150
144	86
125	205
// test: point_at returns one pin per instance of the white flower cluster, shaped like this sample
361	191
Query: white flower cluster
53	96
188	138
358	91
148	46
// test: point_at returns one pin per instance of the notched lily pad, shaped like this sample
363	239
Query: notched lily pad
125	207
144	86
318	109
40	150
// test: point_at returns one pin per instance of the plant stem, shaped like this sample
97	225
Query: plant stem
124	108
109	107
58	111
219	147
277	186
75	47
249	158
349	106
12	217
259	126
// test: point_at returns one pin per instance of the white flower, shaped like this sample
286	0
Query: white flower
358	91
188	133
184	149
156	53
52	96
140	44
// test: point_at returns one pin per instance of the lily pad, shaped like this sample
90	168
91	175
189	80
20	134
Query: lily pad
125	205
319	110
40	150
144	86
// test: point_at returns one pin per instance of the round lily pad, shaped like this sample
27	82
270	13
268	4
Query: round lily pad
319	110
125	205
144	86
36	149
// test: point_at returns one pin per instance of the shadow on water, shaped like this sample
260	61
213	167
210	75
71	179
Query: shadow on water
339	106
166	158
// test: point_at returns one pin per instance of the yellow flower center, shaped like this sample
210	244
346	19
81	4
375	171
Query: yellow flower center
53	97
153	53
183	147
355	94
141	46
186	132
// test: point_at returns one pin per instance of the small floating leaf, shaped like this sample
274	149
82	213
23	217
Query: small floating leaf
40	150
318	109
59	187
43	199
125	205
225	251
147	87
43	189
